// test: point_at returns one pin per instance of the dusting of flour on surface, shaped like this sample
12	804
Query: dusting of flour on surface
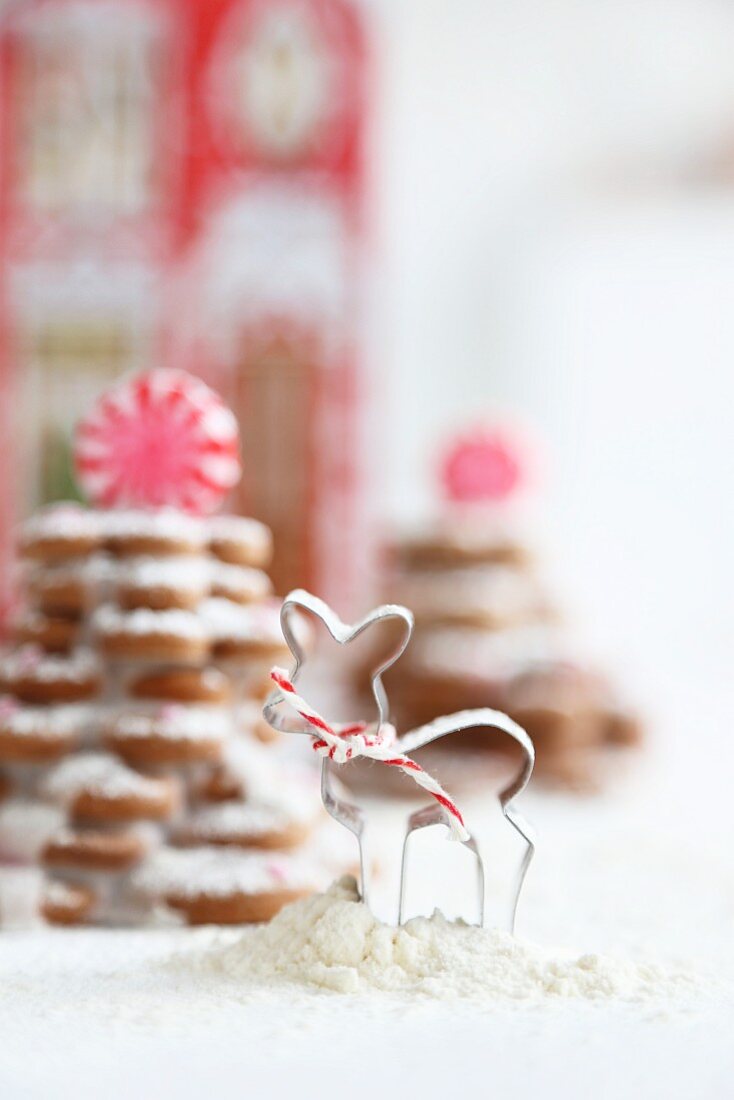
332	941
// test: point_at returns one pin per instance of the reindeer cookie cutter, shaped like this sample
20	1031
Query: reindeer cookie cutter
283	714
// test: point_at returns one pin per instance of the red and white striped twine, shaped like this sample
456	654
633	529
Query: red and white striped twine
346	742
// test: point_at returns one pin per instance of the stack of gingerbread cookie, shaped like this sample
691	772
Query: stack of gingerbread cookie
487	633
132	767
134	778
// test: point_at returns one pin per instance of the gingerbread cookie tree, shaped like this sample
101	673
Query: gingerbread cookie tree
133	778
487	633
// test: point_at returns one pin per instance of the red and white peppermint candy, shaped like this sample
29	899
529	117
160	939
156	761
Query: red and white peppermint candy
161	437
483	466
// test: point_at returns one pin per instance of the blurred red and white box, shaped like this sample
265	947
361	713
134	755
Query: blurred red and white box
271	283
183	183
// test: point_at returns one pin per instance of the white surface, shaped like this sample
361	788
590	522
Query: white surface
645	871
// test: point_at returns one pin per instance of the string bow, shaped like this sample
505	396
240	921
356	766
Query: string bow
345	742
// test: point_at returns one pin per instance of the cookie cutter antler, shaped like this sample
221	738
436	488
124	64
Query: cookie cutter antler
352	816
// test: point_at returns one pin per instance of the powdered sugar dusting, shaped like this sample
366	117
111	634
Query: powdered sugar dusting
184	572
99	773
239	528
240	580
217	872
250	819
180	624
31	662
176	722
159	523
228	620
61	521
49	722
491	591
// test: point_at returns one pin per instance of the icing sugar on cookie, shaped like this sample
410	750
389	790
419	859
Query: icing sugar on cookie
163	583
39	734
239	540
225	886
67	905
97	786
60	531
183	685
145	635
174	734
164	532
38	677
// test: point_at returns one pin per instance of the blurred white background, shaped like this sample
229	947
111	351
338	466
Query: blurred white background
555	237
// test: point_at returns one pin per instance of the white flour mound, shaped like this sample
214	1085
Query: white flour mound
332	941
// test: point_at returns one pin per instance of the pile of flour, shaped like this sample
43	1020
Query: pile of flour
333	941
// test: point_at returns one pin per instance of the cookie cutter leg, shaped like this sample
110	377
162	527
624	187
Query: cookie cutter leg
434	815
380	878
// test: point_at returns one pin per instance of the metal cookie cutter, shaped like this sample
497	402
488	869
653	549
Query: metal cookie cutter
384	889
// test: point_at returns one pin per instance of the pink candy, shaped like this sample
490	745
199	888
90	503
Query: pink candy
481	467
158	438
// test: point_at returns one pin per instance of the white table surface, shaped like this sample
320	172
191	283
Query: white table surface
644	871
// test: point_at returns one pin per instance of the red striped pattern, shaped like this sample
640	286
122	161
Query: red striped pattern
159	438
346	742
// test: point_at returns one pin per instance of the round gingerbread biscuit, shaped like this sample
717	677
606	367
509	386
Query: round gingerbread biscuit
555	701
94	850
217	784
244	825
259	686
60	591
151	636
52	633
99	788
183	685
462	543
155	533
574	768
66	904
226	886
239	583
36	677
555	730
470	655
492	597
240	540
59	532
249	720
163	583
267	778
245	633
69	588
622	726
229	648
39	735
237	907
174	735
245	770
